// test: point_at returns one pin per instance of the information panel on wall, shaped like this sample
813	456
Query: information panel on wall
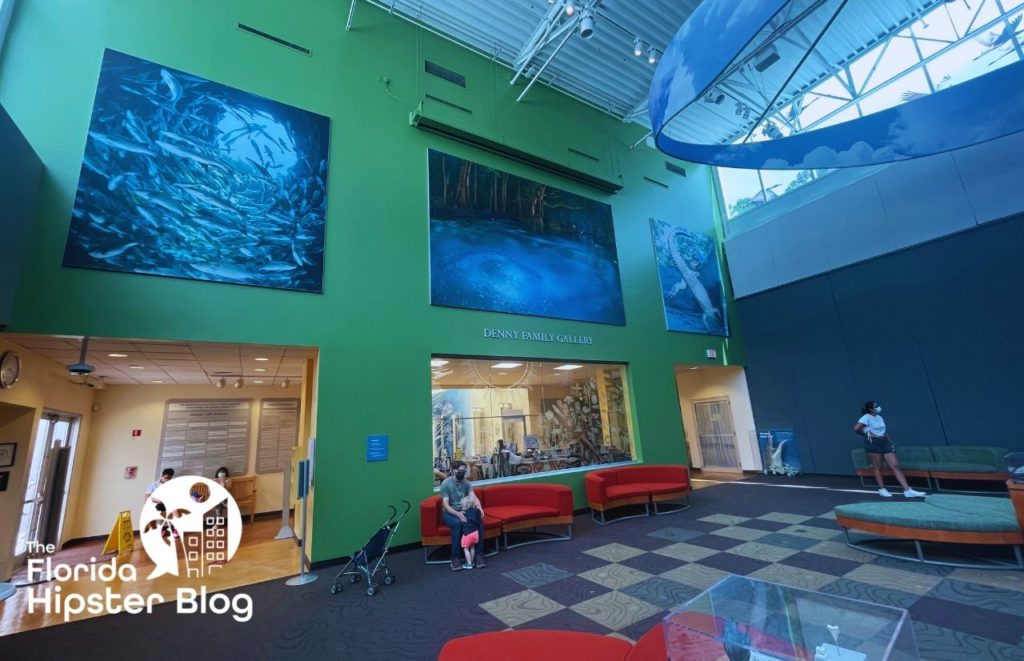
201	435
278	434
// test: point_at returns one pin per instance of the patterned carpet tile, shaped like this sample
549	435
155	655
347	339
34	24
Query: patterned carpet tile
676	534
810	531
519	608
937	643
717	542
982	596
572	590
614	552
792	542
828	523
615	576
976	621
616	610
783	517
652	563
837	550
686	552
765	552
767	526
537	575
696	575
740	532
662	592
725	519
912	566
637	630
842	587
897	579
564	620
828	515
805	579
734	564
1007	580
821	563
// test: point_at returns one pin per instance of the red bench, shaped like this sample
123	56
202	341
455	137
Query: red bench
636	485
550	645
507	508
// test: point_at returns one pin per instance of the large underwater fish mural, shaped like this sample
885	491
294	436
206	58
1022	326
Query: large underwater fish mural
188	178
691	283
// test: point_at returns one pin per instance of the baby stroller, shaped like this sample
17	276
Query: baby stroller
373	557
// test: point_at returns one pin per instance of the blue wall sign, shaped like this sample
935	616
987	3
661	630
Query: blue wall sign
377	448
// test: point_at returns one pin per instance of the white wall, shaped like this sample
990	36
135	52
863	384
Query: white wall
42	386
717	382
857	214
112	448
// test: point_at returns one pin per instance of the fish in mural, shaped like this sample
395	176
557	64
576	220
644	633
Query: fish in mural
687	262
189	178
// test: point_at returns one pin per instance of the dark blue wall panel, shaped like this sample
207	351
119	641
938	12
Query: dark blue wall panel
934	332
20	170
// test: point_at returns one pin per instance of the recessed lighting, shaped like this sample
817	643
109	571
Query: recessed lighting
694	368
505	366
156	381
568	367
438	363
502	372
257	381
136	367
117	355
259	369
261	359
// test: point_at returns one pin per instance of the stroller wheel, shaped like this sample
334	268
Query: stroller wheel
389	579
356	578
372	590
335	589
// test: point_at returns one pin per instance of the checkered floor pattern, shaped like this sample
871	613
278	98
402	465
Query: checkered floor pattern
623	588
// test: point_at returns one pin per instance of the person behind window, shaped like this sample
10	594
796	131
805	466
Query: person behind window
454	490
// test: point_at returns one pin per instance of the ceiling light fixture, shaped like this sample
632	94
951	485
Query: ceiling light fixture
651	55
259	369
587	25
437	362
261	359
259	382
505	366
156	381
570	9
638	47
117	355
715	96
239	382
221	383
285	383
566	368
136	367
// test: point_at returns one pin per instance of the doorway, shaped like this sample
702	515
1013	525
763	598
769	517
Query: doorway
718	420
716	434
48	477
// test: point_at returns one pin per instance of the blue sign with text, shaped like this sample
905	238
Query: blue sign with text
377	448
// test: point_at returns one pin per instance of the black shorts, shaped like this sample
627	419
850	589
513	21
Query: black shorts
877	445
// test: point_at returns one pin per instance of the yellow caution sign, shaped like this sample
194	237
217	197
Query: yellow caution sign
122	535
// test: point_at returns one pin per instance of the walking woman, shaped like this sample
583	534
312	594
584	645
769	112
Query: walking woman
878	446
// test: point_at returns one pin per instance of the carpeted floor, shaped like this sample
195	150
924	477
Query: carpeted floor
619	580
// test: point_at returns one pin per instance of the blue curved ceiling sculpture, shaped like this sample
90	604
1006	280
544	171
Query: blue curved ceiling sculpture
722	36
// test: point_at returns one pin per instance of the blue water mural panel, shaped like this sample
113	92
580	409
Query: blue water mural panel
503	243
780	454
691	282
188	178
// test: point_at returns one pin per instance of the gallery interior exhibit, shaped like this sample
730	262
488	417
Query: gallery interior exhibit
718	299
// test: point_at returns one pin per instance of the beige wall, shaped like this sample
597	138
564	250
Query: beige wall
711	383
43	385
112	448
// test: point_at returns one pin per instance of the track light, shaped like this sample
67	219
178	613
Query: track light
570	9
221	383
285	383
239	382
715	96
638	47
587	25
652	56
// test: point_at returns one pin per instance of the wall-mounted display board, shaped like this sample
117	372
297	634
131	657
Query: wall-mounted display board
691	282
188	178
201	435
503	243
278	433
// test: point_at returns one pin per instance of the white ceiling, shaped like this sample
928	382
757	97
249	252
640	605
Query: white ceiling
181	363
481	373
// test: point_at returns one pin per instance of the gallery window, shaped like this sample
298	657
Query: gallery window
508	417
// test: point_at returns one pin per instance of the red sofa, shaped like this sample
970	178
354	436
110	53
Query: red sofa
507	508
549	645
636	485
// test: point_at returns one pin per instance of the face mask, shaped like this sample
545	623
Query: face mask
878	409
221	475
460	475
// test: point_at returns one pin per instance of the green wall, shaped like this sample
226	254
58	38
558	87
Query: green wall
374	324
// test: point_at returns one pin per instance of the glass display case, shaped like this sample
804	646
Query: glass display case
745	619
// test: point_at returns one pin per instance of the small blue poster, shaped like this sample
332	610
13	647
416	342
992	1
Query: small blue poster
779	452
377	448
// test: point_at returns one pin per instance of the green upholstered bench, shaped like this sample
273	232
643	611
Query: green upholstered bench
938	462
943	518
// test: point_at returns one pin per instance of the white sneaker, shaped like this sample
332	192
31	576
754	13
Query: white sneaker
884	493
910	493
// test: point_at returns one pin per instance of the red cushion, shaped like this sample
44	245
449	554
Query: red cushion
557	496
665	487
490	522
535	645
650	647
627	491
676	474
510	513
